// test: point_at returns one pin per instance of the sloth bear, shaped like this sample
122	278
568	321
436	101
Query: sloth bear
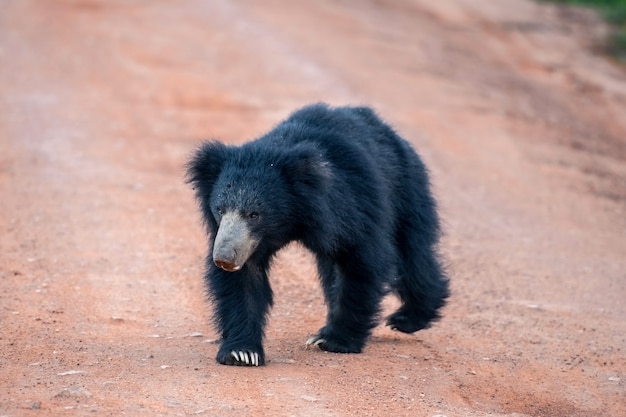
345	185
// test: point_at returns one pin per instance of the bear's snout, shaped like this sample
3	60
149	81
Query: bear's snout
233	243
226	265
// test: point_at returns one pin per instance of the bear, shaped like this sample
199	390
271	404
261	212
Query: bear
346	186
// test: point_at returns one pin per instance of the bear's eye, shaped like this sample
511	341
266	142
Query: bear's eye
253	215
220	211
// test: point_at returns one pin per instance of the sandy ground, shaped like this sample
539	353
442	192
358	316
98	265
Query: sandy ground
523	125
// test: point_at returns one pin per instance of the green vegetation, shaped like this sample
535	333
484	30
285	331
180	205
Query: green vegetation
614	11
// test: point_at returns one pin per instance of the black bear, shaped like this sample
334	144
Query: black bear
345	185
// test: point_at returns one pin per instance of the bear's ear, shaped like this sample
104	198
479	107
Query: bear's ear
205	166
306	166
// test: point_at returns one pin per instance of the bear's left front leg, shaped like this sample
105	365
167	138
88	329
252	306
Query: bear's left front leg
242	300
353	290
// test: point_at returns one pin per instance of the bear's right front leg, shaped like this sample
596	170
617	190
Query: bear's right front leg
242	300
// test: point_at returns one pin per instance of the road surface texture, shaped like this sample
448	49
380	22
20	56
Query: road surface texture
521	121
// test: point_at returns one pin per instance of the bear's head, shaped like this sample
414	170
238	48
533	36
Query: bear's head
256	198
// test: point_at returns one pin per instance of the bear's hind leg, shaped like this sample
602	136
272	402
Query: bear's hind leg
423	289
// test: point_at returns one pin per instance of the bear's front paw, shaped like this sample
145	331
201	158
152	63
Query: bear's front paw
241	358
331	344
407	321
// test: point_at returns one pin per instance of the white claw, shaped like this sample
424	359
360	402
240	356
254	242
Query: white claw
256	359
244	357
234	355
315	341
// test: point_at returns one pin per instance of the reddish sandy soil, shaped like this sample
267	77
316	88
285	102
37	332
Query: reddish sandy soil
523	125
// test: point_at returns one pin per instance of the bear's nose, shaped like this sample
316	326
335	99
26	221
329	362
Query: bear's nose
233	244
227	265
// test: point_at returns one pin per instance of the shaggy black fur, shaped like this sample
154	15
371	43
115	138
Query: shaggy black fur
345	185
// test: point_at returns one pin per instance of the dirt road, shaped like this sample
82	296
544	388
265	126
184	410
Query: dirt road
102	309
